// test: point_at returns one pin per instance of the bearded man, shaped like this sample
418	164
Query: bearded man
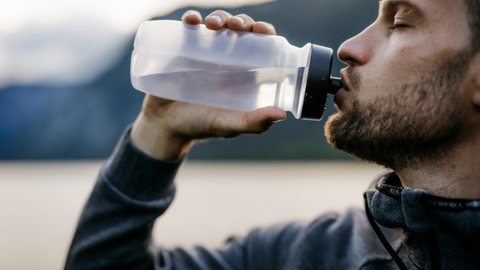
410	102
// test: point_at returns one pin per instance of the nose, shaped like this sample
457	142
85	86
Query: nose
357	50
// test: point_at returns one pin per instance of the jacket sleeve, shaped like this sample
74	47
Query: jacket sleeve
132	190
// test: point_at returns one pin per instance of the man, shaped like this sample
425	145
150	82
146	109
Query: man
411	102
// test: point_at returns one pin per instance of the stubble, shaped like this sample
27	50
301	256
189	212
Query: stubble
419	122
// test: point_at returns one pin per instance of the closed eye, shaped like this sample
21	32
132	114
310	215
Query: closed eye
398	26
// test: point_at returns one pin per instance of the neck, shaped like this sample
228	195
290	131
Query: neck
456	175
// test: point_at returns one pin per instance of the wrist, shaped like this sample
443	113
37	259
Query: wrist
152	138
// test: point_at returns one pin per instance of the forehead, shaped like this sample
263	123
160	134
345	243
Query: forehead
431	8
447	16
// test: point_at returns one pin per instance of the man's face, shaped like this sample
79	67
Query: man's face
403	103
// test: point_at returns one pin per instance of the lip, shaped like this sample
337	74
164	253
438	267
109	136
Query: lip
340	95
344	91
344	78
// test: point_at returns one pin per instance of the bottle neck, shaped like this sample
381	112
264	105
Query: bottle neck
295	57
294	63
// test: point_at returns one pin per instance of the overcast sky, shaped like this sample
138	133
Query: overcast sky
70	42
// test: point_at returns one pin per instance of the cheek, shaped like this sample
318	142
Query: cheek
382	76
390	70
404	61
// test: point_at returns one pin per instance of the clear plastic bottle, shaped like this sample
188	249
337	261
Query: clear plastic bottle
233	70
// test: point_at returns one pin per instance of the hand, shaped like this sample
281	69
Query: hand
166	129
221	19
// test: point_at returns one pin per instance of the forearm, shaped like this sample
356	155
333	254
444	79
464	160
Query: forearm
133	189
114	229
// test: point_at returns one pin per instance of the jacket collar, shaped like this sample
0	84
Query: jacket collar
416	210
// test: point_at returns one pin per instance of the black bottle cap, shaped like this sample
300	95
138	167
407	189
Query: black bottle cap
319	82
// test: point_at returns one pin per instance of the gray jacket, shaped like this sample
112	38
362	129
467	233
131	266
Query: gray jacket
427	232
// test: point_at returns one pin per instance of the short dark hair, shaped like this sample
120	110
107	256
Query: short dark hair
473	16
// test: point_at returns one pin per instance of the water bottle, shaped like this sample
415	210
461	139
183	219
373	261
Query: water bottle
233	70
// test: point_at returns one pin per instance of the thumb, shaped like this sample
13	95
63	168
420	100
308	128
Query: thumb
233	124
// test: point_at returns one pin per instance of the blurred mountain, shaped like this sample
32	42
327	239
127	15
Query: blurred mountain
40	122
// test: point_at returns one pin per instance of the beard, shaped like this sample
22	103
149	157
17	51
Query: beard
418	124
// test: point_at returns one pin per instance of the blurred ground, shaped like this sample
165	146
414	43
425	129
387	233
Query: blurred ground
40	202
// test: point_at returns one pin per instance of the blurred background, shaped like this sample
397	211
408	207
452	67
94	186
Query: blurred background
66	97
65	90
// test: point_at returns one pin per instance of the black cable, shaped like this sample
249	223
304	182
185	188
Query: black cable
382	238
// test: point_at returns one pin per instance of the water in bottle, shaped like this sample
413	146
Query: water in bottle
232	70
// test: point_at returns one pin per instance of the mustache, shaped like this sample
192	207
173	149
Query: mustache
353	78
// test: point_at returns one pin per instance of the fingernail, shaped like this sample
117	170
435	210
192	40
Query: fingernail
269	26
217	18
240	19
191	13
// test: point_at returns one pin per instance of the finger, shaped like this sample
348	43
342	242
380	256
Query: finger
261	120
241	22
217	19
192	17
231	124
263	28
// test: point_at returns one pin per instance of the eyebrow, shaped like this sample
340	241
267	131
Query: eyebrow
392	4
